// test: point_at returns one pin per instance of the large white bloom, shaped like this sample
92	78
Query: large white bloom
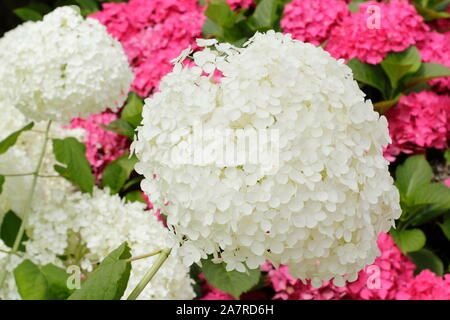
321	207
62	67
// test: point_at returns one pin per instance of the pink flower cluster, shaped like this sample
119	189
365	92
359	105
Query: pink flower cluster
419	121
152	33
426	286
359	35
392	270
312	21
102	146
288	288
436	48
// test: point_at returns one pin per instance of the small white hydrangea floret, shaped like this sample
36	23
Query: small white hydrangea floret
63	67
322	206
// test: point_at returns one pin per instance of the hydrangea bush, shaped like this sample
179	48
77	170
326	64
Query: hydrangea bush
103	173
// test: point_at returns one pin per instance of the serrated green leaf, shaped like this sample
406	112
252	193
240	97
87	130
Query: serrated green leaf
31	282
232	282
57	282
132	112
425	259
109	280
9	229
369	74
11	140
426	72
411	175
71	153
445	226
409	240
399	64
117	172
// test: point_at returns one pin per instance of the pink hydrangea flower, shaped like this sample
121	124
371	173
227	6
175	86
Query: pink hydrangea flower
238	4
382	280
426	286
447	182
359	36
419	121
312	20
392	268
102	146
436	48
288	288
152	34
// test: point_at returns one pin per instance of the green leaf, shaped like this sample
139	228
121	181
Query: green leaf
409	240
232	282
11	140
219	12
28	14
117	172
425	259
447	157
383	106
369	74
9	229
426	72
434	199
134	196
412	174
71	153
87	5
264	16
31	282
121	127
445	226
398	64
2	182
109	280
57	282
132	112
430	14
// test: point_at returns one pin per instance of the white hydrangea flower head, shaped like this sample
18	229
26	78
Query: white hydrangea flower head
63	67
23	158
95	225
320	209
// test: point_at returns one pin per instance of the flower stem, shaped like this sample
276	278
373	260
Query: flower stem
144	256
28	203
164	254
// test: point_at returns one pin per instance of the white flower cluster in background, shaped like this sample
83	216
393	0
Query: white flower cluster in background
65	221
94	226
23	158
321	210
62	67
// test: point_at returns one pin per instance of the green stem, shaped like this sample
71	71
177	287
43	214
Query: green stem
28	203
17	174
150	274
144	256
